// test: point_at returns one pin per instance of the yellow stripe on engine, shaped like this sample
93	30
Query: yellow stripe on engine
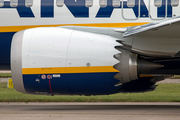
19	28
54	70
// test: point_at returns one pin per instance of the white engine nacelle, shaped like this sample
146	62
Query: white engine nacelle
57	52
66	61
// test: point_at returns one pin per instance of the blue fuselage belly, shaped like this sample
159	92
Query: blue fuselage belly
5	47
72	84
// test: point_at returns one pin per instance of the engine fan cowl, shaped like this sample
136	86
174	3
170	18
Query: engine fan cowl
63	61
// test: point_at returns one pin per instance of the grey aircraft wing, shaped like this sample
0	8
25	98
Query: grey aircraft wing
166	28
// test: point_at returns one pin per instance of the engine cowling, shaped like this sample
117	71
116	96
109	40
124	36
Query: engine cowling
66	61
63	61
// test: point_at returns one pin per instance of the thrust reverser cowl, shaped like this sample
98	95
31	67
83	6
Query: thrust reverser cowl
127	66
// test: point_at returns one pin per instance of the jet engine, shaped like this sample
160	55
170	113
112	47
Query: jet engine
66	61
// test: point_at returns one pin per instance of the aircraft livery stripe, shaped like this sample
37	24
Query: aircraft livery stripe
19	28
54	70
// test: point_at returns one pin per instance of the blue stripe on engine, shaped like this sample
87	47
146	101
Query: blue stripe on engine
73	84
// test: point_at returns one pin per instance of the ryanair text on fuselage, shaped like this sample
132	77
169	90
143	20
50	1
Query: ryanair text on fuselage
79	10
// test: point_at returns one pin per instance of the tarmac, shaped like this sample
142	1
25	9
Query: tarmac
90	111
5	71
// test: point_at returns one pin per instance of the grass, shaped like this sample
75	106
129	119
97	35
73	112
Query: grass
5	75
176	77
164	93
